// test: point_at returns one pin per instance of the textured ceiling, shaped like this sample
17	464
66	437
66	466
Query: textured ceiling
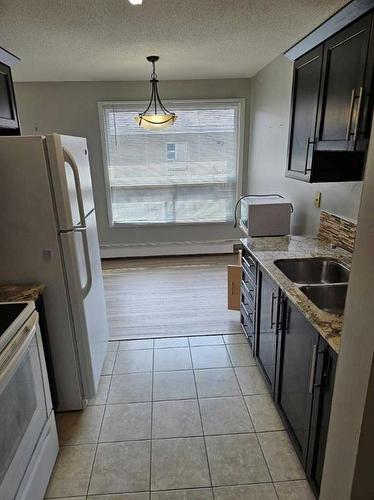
109	39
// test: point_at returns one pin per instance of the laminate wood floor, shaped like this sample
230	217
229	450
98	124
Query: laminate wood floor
168	297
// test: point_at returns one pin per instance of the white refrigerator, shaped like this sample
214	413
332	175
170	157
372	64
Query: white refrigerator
48	230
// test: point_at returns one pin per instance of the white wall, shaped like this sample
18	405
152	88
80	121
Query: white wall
71	108
348	469
270	111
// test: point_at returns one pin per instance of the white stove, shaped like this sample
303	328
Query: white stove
28	437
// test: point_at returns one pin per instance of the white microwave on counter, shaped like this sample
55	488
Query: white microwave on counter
265	215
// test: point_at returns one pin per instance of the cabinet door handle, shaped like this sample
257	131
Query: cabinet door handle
272	322
308	143
287	320
348	133
281	312
358	114
312	368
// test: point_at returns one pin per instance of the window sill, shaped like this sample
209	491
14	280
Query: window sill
160	224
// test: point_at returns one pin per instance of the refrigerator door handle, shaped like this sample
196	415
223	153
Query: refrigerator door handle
71	162
87	261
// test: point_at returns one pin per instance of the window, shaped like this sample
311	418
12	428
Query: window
177	152
185	174
171	151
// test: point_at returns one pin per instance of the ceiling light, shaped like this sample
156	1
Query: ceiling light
150	118
136	2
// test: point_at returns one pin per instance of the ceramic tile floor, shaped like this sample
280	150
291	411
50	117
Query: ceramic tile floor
178	419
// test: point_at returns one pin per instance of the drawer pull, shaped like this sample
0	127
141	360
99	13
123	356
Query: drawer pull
248	290
247	263
249	314
249	277
247	300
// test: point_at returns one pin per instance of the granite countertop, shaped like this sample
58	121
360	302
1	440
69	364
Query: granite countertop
268	249
20	293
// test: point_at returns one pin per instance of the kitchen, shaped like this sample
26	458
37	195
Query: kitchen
279	406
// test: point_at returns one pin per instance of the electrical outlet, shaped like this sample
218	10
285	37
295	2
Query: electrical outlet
317	200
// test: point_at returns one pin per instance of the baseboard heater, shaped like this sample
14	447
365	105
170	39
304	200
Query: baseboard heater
163	249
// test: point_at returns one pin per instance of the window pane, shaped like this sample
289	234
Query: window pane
184	174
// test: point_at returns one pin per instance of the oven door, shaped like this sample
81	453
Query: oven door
23	405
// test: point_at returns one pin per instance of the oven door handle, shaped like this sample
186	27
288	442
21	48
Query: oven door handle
16	349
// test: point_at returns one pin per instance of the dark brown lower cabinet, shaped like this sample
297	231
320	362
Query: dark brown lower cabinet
297	363
322	399
305	375
267	327
297	360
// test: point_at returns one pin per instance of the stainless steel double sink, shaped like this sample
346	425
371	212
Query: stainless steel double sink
323	280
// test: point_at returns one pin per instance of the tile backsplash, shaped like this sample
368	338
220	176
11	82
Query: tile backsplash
337	230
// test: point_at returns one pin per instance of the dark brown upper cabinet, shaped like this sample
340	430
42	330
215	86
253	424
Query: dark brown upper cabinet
9	124
332	103
306	81
345	88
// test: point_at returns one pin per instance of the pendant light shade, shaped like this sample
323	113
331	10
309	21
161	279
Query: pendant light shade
156	116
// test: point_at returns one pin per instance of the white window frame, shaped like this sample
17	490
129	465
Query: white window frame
201	103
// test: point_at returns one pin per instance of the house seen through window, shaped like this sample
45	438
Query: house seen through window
171	151
187	173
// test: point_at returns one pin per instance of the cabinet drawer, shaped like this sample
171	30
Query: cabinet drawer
247	329
248	269
248	292
246	319
248	278
247	310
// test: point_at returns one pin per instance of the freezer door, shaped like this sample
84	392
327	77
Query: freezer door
85	283
71	178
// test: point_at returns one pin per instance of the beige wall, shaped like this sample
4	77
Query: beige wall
270	110
71	108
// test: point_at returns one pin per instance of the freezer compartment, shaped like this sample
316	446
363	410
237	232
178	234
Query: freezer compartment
81	257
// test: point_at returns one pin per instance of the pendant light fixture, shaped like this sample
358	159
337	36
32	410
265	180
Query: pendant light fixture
156	116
